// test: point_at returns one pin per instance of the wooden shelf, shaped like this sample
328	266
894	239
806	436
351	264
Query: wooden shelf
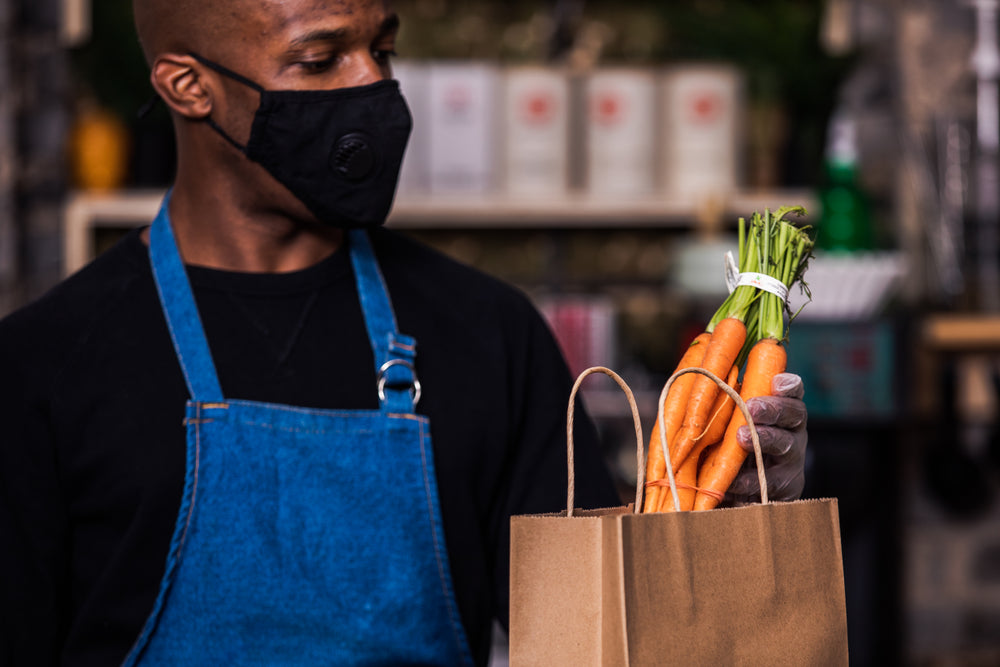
125	209
576	211
86	211
963	333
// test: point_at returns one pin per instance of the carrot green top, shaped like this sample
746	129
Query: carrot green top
773	254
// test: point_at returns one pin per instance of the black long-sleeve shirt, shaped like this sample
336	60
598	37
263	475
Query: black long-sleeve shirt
92	441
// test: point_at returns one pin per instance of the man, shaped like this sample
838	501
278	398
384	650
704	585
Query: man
309	517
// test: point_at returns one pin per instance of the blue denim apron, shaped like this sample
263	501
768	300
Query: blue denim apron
304	536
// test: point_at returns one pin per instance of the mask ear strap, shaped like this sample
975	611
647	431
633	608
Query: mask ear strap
222	133
225	71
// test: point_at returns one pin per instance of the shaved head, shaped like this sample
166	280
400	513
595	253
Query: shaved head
222	27
183	26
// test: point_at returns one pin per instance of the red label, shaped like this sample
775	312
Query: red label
457	99
538	107
705	107
608	108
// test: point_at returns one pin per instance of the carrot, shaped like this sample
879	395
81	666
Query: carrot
785	251
771	251
724	351
722	411
686	476
673	415
686	479
767	359
729	326
728	337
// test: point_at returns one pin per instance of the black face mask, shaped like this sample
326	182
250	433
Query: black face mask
338	151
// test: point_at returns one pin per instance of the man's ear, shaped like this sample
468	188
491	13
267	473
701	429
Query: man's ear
178	81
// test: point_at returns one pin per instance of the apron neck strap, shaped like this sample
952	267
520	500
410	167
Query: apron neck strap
181	311
398	387
397	384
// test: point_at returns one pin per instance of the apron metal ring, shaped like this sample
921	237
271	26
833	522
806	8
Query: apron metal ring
414	388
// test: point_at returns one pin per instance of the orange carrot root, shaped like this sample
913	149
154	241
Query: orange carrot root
686	477
673	407
767	359
720	355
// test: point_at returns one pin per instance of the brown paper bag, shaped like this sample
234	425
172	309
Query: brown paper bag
755	585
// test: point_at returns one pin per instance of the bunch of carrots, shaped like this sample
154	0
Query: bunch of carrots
747	332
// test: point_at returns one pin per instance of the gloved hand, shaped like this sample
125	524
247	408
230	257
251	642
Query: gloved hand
781	428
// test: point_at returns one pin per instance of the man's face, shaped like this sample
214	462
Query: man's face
300	45
297	45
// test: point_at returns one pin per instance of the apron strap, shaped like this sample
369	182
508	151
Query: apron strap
181	311
397	384
398	387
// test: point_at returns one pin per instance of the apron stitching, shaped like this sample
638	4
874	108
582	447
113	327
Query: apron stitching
442	577
194	481
403	346
180	359
291	429
411	417
174	556
322	412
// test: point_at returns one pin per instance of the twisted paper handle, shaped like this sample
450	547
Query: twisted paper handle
733	394
640	448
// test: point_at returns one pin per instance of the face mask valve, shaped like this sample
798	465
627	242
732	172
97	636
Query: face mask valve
352	157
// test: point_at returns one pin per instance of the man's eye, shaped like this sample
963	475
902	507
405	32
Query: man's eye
316	66
383	56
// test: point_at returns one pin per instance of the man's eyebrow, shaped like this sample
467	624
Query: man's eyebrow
321	36
389	25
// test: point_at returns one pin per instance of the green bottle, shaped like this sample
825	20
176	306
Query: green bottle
845	220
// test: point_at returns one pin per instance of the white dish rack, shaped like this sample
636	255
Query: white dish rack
849	286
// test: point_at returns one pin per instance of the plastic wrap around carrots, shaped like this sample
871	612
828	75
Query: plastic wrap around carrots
747	333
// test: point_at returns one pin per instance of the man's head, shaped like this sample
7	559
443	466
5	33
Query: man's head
283	42
277	44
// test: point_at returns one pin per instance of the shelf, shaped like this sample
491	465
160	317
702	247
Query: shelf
126	209
963	333
576	211
85	211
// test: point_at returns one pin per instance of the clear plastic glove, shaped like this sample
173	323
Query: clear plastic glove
781	428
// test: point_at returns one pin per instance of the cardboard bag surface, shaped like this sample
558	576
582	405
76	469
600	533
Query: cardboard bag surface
755	585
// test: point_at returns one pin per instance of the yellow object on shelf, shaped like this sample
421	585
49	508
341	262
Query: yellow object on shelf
99	147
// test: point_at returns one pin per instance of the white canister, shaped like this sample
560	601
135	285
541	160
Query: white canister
702	105
414	177
536	113
462	121
621	131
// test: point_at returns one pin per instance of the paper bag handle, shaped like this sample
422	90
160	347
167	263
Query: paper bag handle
733	394
640	448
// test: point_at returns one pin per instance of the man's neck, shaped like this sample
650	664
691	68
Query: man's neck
217	232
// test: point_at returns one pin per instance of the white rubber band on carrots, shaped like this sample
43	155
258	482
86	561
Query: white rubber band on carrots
761	281
764	282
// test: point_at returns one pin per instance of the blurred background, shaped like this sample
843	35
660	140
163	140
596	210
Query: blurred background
598	155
